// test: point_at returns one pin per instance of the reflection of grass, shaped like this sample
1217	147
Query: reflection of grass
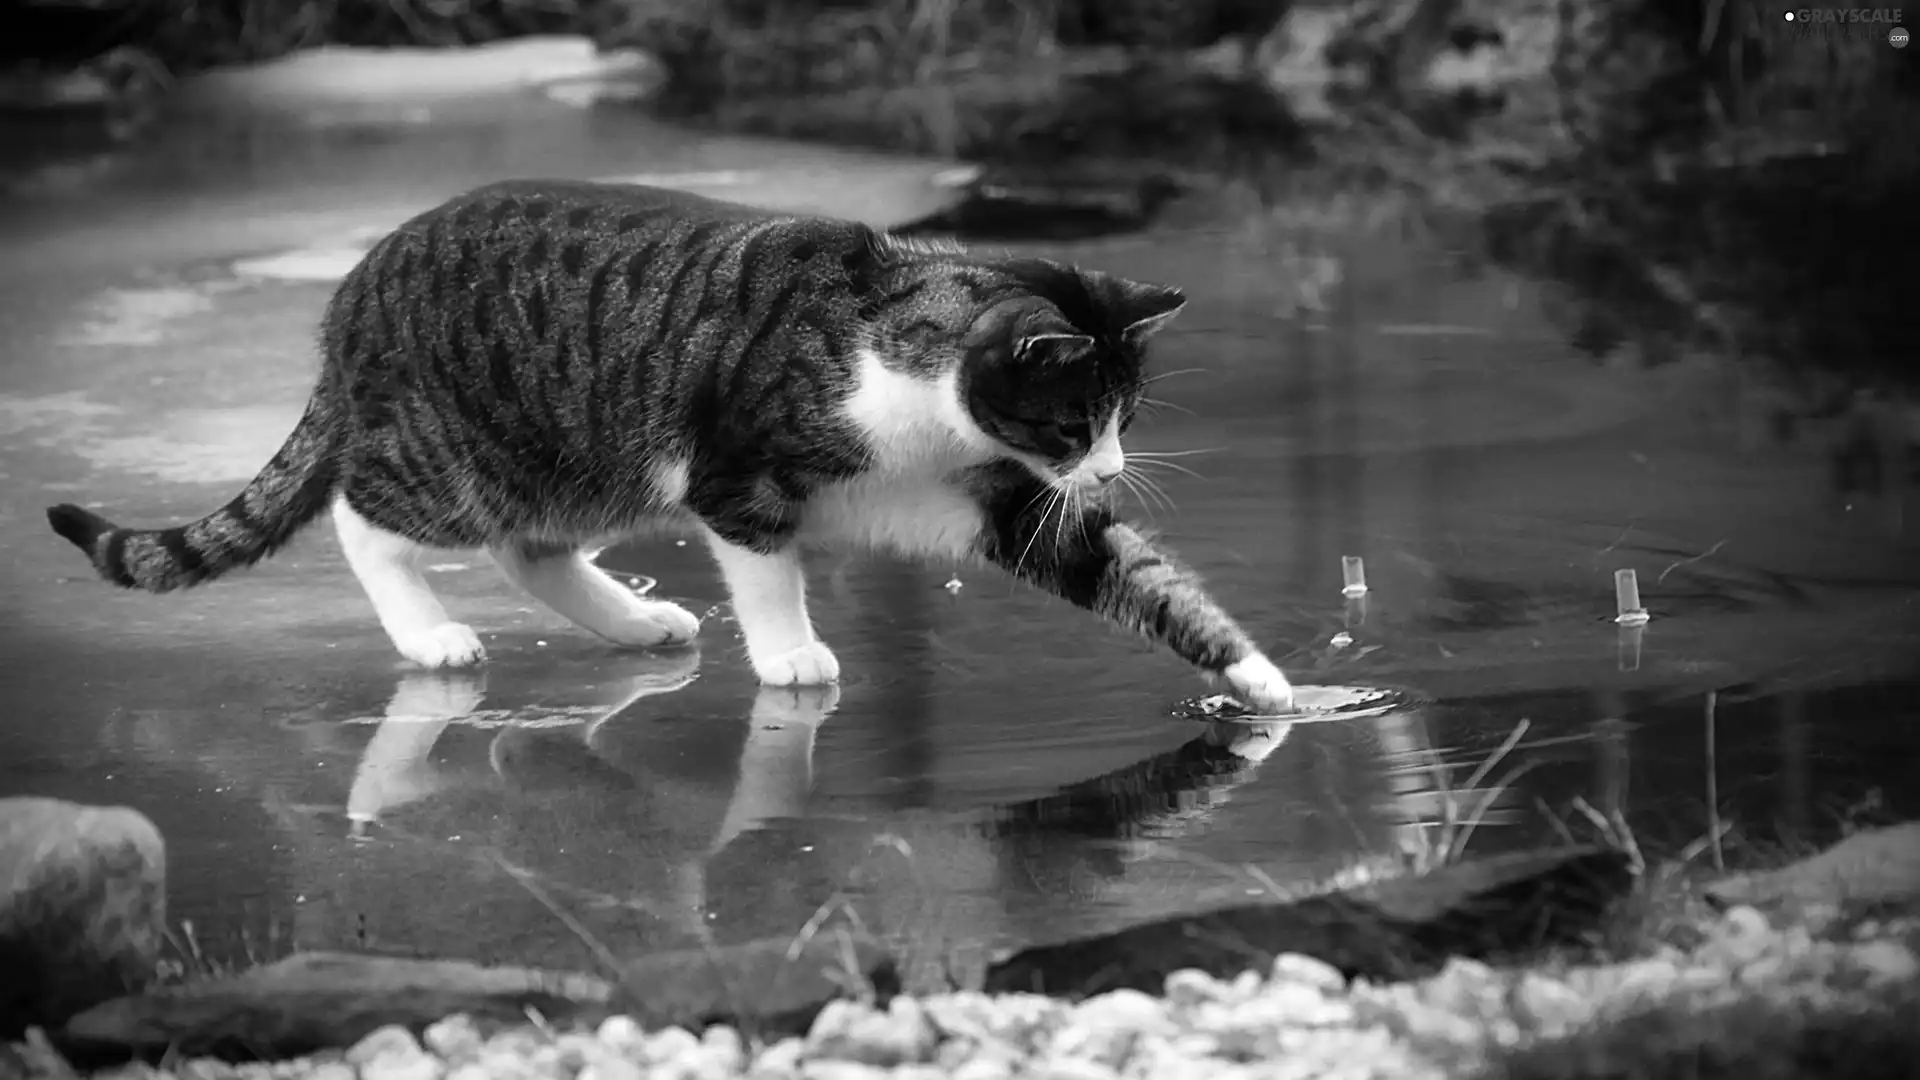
187	959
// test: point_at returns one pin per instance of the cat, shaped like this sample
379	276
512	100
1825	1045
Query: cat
539	366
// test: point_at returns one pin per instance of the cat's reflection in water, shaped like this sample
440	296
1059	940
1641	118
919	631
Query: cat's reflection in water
689	819
659	795
396	767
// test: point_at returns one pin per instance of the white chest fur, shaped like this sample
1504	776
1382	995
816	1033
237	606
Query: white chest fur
921	437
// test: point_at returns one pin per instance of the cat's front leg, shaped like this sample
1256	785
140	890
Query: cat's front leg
1100	563
769	592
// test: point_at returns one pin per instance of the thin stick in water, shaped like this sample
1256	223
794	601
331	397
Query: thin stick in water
1626	599
1353	576
1713	784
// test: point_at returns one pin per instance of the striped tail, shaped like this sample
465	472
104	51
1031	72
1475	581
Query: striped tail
290	492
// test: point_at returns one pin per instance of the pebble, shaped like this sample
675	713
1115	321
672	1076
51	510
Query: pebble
1306	971
1884	961
1299	1020
454	1039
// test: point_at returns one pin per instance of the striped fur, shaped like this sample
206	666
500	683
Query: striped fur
536	367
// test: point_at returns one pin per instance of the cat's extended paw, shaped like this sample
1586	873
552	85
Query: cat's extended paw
811	664
650	624
449	645
1259	685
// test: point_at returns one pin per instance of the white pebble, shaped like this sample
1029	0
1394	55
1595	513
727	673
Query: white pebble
983	1068
1308	971
781	1059
840	1070
670	1044
397	1066
330	1070
454	1038
1549	1007
1743	920
505	1065
1071	1069
1189	987
725	1048
391	1039
612	1068
472	1070
1884	961
622	1034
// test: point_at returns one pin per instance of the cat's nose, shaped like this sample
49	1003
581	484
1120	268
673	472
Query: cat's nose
1105	473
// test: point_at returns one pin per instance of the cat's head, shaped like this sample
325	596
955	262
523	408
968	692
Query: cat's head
1054	370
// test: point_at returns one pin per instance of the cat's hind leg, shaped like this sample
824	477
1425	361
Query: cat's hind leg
388	566
567	581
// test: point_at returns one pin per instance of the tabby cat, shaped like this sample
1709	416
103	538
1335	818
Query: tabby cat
539	366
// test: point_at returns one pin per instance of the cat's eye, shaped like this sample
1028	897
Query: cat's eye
1076	431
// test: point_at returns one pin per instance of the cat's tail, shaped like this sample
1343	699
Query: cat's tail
288	493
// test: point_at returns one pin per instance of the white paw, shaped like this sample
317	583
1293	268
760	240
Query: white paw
449	645
1260	686
653	623
811	664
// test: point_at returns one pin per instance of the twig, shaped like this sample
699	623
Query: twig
1713	783
1683	562
579	930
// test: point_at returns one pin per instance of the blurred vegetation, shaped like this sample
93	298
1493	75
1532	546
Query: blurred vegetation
1693	174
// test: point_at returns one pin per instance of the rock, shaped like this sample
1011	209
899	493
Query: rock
612	1068
1105	1028
1502	908
1741	937
1884	962
852	1031
725	1047
1191	987
390	1040
1548	1007
82	907
1871	867
780	1059
669	1044
1305	970
311	1001
755	986
392	1053
456	1038
622	1035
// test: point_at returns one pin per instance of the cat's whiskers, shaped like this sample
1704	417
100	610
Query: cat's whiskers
1052	493
1151	379
1160	454
1156	463
1144	488
1155	406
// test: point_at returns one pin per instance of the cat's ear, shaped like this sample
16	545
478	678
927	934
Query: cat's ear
1146	309
1048	338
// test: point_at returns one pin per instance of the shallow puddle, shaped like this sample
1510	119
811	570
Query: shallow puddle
996	768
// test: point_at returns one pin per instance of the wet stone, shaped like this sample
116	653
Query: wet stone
455	1039
852	1031
1308	971
82	907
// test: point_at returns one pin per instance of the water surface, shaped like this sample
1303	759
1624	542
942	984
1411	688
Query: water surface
996	768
